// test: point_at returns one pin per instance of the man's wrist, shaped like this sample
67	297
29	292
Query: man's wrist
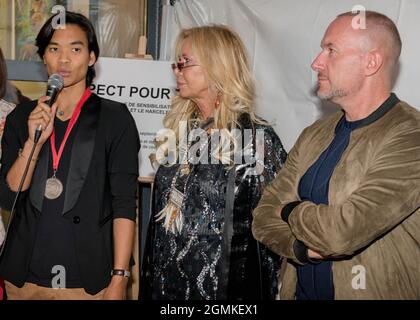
119	280
27	147
123	273
301	252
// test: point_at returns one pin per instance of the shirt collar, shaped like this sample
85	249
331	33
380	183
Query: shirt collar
387	105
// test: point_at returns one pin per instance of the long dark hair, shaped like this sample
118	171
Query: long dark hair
47	31
3	75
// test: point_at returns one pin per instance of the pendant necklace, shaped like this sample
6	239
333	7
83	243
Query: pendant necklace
171	214
54	187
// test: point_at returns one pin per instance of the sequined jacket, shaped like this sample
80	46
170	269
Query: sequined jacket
215	256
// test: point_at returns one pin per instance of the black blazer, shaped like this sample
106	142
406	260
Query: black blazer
101	186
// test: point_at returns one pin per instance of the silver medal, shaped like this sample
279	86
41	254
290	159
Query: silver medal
53	188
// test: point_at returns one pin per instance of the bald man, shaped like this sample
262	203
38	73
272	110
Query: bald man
344	208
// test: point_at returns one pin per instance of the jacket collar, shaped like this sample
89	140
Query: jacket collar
374	116
80	160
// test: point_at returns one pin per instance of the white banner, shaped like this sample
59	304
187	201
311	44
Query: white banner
146	87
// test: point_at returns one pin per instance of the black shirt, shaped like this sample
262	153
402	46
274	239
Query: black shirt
54	244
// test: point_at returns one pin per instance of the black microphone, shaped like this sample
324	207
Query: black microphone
54	86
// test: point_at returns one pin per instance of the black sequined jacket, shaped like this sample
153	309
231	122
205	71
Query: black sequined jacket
215	256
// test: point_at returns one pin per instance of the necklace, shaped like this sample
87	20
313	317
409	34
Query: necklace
60	113
171	214
54	188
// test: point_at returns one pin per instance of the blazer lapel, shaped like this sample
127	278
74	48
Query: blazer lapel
37	191
82	151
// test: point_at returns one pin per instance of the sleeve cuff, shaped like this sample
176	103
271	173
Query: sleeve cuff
287	210
301	252
128	213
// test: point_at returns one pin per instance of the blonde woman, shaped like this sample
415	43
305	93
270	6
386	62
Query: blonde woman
200	244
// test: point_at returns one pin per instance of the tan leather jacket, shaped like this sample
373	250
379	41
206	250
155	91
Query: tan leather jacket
371	227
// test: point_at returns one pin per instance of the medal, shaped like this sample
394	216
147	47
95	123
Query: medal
53	188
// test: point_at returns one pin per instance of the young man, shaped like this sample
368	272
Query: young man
74	222
344	209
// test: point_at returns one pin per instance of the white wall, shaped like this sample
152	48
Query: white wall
283	36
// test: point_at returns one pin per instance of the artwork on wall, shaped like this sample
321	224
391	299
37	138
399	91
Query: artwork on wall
30	15
6	28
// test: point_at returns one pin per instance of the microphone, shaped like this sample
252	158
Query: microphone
54	86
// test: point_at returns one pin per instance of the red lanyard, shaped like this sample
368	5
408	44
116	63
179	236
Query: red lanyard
73	120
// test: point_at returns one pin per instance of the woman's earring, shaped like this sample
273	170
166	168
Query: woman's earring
217	102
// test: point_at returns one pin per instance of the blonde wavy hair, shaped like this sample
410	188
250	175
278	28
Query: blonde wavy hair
222	55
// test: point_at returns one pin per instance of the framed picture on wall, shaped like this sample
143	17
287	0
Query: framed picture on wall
6	28
30	15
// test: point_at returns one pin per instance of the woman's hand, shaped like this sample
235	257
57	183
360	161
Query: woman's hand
42	116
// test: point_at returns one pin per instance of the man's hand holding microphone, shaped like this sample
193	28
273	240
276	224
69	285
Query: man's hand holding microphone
40	126
41	119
